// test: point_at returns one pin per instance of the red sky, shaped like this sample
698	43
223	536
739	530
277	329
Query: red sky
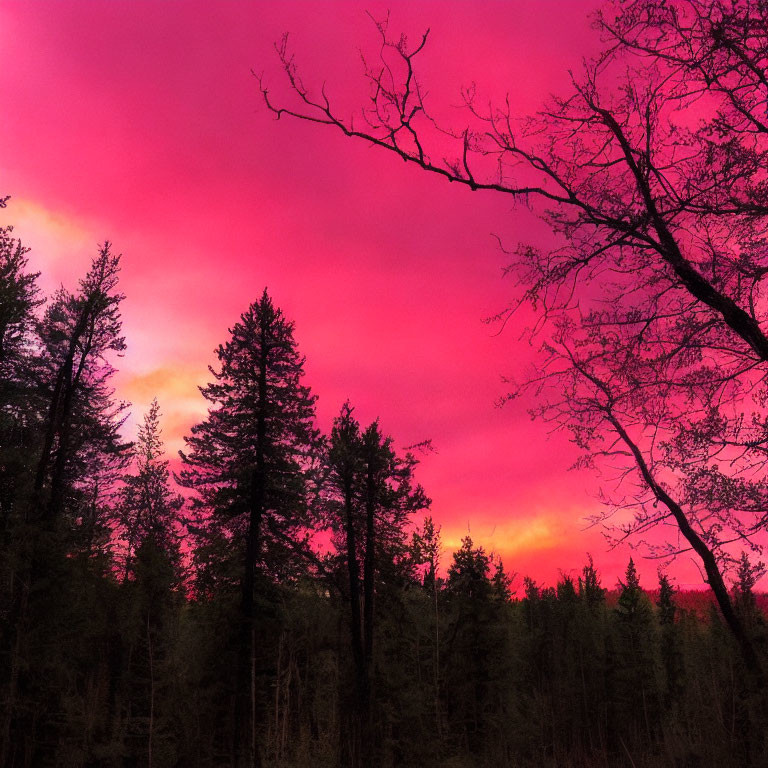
140	122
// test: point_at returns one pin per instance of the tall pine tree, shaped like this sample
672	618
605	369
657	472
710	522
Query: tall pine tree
370	495
148	513
248	462
79	453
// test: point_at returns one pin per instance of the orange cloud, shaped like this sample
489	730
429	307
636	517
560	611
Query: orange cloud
176	389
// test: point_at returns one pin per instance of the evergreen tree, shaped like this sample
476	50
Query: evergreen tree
743	590
473	659
502	581
637	690
468	573
248	463
148	516
370	496
671	651
61	543
426	548
19	297
79	333
666	602
20	407
425	551
148	507
20	414
589	585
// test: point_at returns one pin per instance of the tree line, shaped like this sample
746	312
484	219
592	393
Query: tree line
649	292
279	602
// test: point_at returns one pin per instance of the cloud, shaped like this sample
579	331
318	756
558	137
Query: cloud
142	123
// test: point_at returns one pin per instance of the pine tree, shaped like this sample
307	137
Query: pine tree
20	405
671	651
636	683
79	333
666	602
743	589
248	463
148	515
469	663
148	507
20	415
468	573
343	491
502	581
590	589
369	498
630	595
19	297
62	546
426	547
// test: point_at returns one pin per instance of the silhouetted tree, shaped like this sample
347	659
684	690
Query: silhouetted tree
20	414
78	334
62	542
148	508
671	651
475	669
649	172
635	677
426	548
370	497
19	297
19	404
589	584
502	581
248	463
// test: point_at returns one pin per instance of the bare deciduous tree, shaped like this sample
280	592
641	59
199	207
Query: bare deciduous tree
651	175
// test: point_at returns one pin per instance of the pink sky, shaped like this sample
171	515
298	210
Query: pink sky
141	123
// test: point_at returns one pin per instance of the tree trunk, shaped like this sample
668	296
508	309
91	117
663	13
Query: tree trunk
699	546
354	625
369	566
151	693
246	740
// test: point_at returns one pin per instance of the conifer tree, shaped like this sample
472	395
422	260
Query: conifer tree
19	297
671	650
79	333
636	683
148	514
79	455
469	663
743	589
666	602
343	491
630	596
468	573
502	581
426	548
19	402
20	413
248	463
148	507
589	585
370	496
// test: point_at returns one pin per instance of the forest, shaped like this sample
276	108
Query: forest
281	596
143	626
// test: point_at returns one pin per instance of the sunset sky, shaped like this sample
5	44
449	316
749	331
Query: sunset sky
141	123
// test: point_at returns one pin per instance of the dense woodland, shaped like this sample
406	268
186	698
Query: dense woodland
142	627
284	599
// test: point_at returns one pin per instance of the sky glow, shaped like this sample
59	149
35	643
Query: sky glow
141	123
